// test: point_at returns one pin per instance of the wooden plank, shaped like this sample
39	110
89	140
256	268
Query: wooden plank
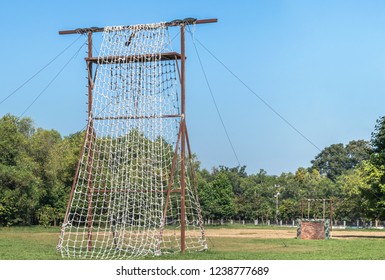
134	58
101	29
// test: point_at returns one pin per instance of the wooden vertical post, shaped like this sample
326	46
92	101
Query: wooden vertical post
90	132
183	142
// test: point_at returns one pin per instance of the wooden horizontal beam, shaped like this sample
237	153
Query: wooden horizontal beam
136	117
186	21
133	191
134	58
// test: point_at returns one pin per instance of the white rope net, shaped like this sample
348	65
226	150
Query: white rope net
127	201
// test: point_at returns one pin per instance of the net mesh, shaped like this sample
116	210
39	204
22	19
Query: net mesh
126	200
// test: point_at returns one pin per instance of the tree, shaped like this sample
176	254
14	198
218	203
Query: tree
351	205
42	142
358	151
250	199
12	142
332	161
19	182
257	196
337	158
373	189
60	170
235	175
217	199
373	173
289	209
378	142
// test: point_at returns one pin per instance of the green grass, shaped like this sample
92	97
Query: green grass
28	243
295	249
37	243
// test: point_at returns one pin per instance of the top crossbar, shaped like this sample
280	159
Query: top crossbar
177	22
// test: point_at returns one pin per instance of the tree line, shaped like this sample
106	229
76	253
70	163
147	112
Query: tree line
37	167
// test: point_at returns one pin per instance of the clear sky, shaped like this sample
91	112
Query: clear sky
319	64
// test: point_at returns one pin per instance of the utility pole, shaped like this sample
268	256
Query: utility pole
276	203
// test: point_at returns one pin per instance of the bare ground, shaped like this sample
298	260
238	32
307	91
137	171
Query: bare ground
288	233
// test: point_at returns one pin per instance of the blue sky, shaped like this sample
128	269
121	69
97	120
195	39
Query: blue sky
319	64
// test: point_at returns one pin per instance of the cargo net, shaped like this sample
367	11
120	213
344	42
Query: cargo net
126	198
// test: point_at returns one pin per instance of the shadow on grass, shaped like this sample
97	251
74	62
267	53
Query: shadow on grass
359	236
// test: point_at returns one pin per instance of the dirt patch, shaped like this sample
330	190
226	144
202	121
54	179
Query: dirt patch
288	233
252	233
357	234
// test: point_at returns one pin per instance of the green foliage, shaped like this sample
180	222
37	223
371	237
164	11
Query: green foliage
234	174
12	141
358	151
378	140
336	159
46	215
255	200
350	206
8	210
373	189
217	198
289	210
332	161
35	170
19	183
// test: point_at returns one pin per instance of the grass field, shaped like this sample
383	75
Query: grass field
225	243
